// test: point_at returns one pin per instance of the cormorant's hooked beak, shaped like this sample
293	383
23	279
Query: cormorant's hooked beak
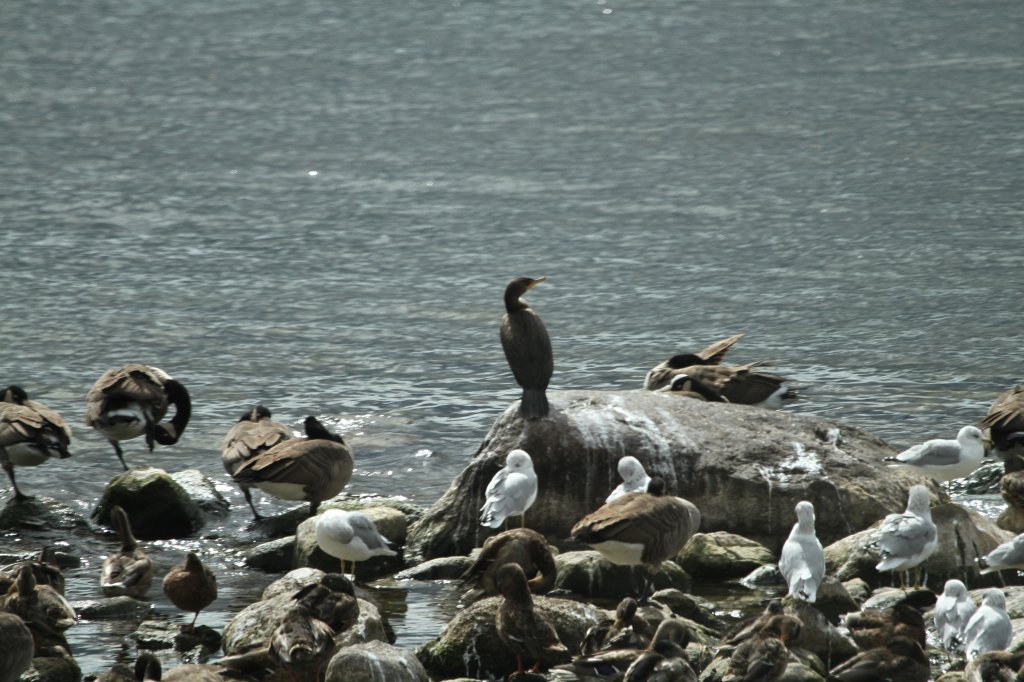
536	282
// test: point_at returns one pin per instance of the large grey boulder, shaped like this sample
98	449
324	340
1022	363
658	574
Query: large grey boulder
589	574
374	661
744	467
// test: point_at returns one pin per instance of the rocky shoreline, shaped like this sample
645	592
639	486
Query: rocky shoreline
745	468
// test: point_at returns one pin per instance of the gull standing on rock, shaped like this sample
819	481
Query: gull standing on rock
953	611
989	629
942	459
634	478
512	491
350	536
802	562
906	540
1008	555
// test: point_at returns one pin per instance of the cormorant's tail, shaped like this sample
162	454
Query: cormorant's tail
534	403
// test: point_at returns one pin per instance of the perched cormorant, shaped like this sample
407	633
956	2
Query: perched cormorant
527	347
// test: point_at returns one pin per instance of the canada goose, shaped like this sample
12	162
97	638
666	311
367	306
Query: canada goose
350	536
742	384
900	659
906	540
524	631
953	610
1005	424
661	374
527	348
190	586
18	647
129	571
512	491
802	561
253	434
128	402
640	528
686	386
523	546
943	459
30	434
764	657
313	470
626	631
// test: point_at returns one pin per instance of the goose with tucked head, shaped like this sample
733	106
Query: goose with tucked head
253	434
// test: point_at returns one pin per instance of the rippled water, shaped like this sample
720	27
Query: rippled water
317	206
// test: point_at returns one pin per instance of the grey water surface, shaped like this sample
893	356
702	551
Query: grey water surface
317	205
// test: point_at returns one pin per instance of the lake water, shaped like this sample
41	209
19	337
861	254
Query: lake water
317	205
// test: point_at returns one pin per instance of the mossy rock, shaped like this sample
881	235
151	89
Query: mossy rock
589	574
722	556
158	507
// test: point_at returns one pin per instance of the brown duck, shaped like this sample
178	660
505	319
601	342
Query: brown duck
44	570
524	631
764	657
313	469
45	611
901	659
190	586
613	663
640	528
129	571
253	434
30	434
872	628
522	546
130	401
17	648
626	631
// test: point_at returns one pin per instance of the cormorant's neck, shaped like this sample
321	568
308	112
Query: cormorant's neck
512	301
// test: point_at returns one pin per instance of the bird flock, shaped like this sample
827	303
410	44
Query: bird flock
640	524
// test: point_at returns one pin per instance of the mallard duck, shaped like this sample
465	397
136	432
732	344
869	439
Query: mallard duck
17	649
901	659
523	546
527	347
130	570
664	661
626	631
524	631
332	600
30	434
350	536
661	375
612	664
750	628
995	666
764	657
312	470
190	586
640	528
302	644
45	611
511	491
1005	424
802	561
872	628
943	459
44	570
253	434
130	401
953	610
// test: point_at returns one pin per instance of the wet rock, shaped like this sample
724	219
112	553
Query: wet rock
1011	519
159	508
391	523
833	599
154	635
470	645
112	608
763	576
722	556
589	574
858	589
800	671
202	640
374	661
964	537
691	608
202	491
253	625
276	556
744	467
40	513
441	568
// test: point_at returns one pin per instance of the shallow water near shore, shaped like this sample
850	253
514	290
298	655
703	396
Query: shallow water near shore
318	208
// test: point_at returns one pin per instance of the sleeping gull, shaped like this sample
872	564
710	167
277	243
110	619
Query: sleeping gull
944	459
634	478
802	563
989	629
906	540
350	536
1010	554
512	490
953	611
